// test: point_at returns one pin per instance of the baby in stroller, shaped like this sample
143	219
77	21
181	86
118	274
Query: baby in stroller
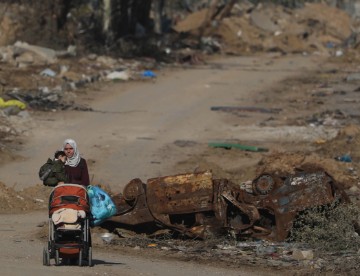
69	226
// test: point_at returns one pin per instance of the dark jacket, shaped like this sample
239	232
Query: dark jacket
78	174
57	174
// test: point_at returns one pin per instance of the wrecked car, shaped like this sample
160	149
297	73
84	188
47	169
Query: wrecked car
197	205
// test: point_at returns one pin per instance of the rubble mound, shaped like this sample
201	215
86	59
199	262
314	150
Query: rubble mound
327	156
314	27
32	198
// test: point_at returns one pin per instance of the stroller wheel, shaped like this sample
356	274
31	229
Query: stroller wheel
46	257
80	257
57	258
90	257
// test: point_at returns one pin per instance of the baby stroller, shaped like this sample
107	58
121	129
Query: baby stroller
69	231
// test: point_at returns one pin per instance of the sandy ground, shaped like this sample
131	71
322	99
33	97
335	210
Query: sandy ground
134	123
158	128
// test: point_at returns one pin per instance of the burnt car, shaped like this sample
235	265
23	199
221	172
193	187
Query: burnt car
197	205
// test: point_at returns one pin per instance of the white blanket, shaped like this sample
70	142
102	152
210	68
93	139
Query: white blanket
66	215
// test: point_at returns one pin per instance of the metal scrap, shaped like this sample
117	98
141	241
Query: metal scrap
245	109
197	205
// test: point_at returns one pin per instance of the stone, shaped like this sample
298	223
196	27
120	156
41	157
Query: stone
302	254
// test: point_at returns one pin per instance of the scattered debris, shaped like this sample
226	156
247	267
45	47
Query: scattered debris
198	206
10	103
122	75
107	237
237	146
344	158
148	74
244	109
48	73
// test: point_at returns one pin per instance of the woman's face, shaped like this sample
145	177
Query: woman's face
69	150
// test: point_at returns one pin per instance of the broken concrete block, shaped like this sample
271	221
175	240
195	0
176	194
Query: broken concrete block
48	54
123	75
302	254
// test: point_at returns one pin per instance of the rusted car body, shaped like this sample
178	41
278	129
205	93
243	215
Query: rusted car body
197	205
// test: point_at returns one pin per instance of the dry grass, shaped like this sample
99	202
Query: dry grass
329	228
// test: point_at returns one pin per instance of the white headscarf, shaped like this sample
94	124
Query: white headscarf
75	159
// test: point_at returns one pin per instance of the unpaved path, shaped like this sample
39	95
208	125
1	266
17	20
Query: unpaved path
129	137
21	254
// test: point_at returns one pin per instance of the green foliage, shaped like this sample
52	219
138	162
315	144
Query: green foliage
328	228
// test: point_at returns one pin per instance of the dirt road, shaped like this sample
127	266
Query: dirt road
134	133
21	255
130	134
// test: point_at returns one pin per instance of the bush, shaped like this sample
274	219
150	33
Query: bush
328	228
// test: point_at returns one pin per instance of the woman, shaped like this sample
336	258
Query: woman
75	166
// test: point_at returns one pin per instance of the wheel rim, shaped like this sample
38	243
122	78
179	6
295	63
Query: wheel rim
90	257
46	257
80	257
57	259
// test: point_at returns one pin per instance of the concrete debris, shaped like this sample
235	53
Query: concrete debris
123	75
298	254
48	55
280	256
353	77
269	27
192	22
245	28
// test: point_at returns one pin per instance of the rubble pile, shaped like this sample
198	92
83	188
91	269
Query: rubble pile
48	79
42	76
315	28
44	79
32	198
289	258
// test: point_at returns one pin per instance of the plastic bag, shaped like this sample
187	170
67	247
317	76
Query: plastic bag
8	103
101	205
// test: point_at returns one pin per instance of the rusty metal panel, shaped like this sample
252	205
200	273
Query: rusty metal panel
298	192
249	210
134	217
131	205
180	194
303	191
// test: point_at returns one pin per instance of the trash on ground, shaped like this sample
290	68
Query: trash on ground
237	146
122	75
148	74
344	158
8	103
245	109
48	73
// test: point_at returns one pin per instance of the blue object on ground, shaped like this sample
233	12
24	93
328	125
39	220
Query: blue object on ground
148	74
344	158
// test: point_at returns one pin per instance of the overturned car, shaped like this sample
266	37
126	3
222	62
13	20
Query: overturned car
197	205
